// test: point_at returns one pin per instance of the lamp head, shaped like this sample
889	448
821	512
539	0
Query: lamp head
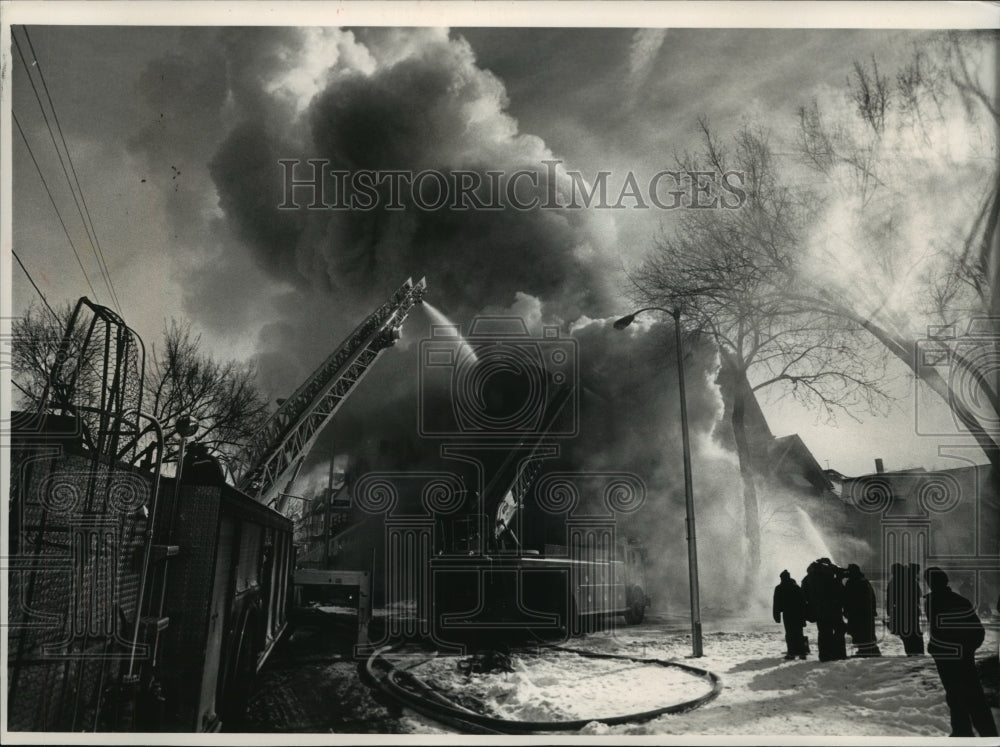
186	426
624	321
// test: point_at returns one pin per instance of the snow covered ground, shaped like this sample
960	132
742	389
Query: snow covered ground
763	695
313	686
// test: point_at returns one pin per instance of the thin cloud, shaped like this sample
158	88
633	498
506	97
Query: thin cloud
646	44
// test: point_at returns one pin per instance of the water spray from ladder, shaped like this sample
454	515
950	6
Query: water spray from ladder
439	319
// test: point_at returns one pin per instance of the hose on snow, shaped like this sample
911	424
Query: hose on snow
407	689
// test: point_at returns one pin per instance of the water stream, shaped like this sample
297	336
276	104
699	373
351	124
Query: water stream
439	319
812	537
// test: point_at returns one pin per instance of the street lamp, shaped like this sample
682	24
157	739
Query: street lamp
186	427
688	491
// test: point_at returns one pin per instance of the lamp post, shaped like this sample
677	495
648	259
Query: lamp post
692	541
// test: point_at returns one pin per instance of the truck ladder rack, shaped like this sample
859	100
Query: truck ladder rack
276	454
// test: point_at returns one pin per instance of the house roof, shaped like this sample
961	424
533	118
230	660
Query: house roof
791	449
907	482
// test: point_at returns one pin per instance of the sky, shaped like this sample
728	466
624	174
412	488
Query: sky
176	133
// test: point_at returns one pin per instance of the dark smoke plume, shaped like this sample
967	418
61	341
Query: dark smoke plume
412	99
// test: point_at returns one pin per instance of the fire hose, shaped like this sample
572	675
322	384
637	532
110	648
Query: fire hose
408	690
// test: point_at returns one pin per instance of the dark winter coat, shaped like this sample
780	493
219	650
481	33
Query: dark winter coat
902	602
955	627
789	601
824	595
202	469
860	608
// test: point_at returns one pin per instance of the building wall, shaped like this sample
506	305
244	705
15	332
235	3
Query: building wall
947	518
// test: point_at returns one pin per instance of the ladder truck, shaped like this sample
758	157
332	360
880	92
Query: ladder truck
485	578
142	601
276	454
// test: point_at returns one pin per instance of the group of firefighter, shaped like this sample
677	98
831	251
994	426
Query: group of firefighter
829	594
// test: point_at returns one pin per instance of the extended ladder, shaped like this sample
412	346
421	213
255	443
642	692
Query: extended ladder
276	454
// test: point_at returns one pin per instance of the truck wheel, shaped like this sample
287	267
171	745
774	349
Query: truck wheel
636	610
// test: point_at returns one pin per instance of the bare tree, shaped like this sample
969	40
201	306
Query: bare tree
221	396
37	337
933	133
719	268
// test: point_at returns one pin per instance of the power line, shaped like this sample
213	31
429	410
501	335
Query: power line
39	291
102	266
62	330
61	163
48	306
54	206
69	156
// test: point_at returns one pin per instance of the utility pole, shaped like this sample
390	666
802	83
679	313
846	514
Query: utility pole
692	542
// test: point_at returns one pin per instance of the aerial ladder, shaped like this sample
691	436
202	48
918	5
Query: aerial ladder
273	458
140	628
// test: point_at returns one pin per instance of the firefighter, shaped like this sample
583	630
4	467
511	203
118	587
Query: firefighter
201	468
956	633
902	606
825	606
790	607
860	609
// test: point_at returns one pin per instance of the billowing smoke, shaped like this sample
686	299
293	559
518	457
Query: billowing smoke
415	99
418	103
898	226
629	422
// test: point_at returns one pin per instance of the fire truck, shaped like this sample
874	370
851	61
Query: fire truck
144	599
488	575
141	599
492	541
